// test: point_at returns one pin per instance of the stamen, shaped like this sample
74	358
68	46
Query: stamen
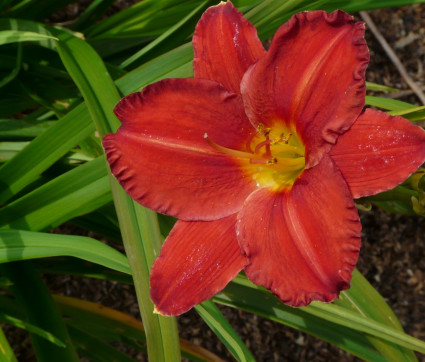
274	157
229	151
262	144
263	130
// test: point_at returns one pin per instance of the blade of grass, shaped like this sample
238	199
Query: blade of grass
76	192
44	151
93	12
9	149
18	245
164	36
224	331
107	323
247	298
146	18
77	125
176	63
388	103
347	318
30	291
26	128
365	300
379	87
139	227
95	348
36	9
5	318
334	313
6	352
17	67
79	267
99	223
15	36
418	112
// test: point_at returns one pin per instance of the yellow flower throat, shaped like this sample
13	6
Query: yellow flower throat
274	156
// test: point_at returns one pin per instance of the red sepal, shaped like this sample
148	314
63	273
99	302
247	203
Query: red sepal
197	261
162	159
378	152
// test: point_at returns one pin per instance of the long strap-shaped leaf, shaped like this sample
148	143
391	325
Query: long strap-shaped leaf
6	352
13	36
112	324
81	190
243	294
221	327
18	245
139	227
30	291
363	299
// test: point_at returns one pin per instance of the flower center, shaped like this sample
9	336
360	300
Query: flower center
275	156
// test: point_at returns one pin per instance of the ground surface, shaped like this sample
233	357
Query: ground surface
392	257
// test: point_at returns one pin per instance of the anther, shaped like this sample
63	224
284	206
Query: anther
287	138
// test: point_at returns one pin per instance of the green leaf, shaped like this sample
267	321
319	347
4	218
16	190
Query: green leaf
268	15
342	316
413	114
5	318
36	9
10	149
80	267
26	26
100	223
90	74
139	227
31	293
388	103
79	191
26	128
363	299
95	348
243	295
15	71
224	331
15	36
174	64
346	318
77	125
171	32
93	12
379	87
44	151
6	352
146	18
22	245
108	324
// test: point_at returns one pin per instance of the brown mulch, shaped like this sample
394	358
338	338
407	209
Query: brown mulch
392	257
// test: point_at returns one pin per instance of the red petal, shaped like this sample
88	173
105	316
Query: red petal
302	244
160	155
378	152
225	46
197	261
313	77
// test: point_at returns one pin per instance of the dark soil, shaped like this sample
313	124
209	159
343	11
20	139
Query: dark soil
392	257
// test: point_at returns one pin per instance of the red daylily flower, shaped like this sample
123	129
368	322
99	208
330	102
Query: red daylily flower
260	156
